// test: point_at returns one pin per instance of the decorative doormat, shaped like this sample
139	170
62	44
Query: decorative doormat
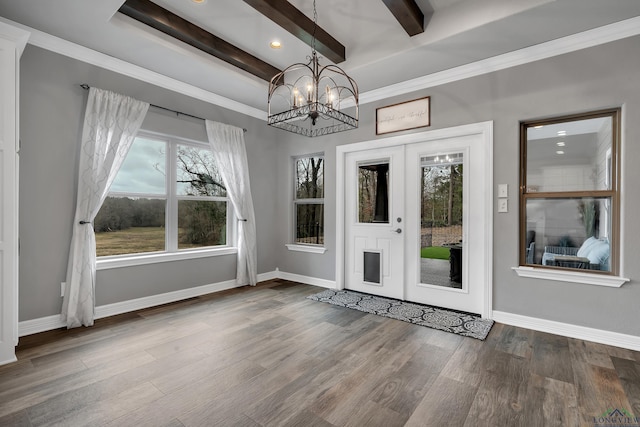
465	324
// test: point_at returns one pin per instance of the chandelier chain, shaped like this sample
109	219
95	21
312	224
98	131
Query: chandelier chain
315	25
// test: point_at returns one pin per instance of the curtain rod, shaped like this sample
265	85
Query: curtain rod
86	87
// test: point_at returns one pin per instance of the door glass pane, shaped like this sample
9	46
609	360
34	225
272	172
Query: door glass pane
570	156
373	193
569	233
441	220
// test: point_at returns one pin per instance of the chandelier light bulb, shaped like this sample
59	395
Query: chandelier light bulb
309	91
295	97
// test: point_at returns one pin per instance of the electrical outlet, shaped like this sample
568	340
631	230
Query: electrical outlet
63	286
503	205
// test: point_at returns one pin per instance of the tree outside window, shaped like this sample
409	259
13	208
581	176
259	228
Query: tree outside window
202	205
308	200
167	196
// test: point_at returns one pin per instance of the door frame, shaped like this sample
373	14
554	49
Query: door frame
484	130
12	43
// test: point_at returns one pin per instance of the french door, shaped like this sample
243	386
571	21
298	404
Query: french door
416	222
375	245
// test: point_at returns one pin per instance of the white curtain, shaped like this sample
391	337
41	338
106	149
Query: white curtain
230	154
110	124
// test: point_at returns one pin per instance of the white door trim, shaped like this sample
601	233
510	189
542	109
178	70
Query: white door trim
485	129
12	43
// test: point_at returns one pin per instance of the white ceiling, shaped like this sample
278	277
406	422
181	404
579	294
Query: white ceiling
379	52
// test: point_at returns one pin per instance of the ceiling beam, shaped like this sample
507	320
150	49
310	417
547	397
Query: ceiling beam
291	19
171	24
408	15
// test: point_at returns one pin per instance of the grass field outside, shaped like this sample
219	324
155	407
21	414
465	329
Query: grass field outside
134	240
434	252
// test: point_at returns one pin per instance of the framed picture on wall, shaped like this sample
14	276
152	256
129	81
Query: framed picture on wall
403	116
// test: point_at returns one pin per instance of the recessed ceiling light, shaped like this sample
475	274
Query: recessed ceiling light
559	152
199	1
275	44
560	143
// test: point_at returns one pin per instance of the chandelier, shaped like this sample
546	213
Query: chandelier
310	100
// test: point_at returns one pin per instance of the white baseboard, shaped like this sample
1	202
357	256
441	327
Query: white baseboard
155	300
263	277
615	339
8	357
307	280
48	323
41	324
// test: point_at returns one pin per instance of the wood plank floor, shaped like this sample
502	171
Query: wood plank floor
266	356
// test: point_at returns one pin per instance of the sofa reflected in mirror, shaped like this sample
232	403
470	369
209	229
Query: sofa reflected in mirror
593	254
568	234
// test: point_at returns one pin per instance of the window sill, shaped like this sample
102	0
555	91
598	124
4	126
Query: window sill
306	248
570	276
106	263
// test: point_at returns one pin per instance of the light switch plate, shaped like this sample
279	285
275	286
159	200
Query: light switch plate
503	190
503	206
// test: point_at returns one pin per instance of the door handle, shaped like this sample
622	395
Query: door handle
397	230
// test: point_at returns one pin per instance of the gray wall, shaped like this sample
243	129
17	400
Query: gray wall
595	78
599	77
52	110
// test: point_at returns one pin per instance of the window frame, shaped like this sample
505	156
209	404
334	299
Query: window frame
171	250
613	192
301	246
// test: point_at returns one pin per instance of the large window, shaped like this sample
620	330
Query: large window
168	196
308	200
569	186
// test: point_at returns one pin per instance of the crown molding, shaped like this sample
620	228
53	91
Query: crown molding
17	35
594	37
90	56
574	42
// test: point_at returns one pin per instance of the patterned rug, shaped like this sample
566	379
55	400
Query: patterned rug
465	324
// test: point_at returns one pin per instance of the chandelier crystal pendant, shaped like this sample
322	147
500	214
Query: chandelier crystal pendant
311	100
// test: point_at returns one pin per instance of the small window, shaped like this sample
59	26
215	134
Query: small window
308	200
569	212
167	196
